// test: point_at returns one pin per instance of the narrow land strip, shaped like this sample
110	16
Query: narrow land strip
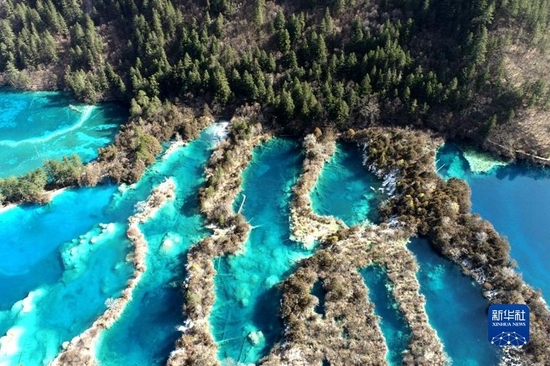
305	225
81	349
196	346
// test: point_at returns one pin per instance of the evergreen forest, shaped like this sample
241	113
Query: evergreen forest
436	64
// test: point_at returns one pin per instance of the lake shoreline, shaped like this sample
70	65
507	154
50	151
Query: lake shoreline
305	225
230	231
441	212
81	349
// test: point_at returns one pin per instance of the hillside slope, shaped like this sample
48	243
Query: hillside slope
467	69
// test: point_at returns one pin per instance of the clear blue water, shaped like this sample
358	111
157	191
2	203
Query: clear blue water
246	297
515	199
394	327
151	319
345	188
52	287
59	267
35	126
456	308
30	237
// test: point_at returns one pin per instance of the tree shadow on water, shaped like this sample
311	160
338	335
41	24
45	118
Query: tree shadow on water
266	318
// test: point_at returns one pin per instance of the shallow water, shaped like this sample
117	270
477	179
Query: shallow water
456	308
151	319
345	189
53	287
35	126
394	327
515	199
30	237
247	301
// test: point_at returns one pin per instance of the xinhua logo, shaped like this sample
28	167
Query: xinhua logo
508	325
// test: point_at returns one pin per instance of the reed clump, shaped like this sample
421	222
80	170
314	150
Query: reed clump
346	333
348	327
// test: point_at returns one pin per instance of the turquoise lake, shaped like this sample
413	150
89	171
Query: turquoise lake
515	199
247	301
35	126
58	259
57	274
394	327
455	307
62	263
153	316
345	189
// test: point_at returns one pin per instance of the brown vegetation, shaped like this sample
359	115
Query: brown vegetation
310	338
306	226
223	179
440	211
223	183
138	143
